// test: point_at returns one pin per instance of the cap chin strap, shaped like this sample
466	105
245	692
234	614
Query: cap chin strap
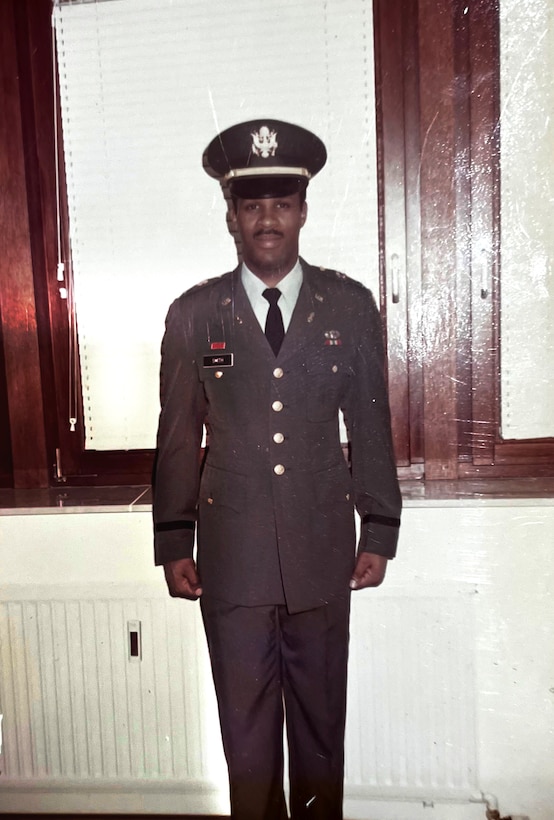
269	171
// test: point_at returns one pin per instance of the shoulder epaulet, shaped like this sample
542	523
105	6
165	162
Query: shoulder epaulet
205	283
336	275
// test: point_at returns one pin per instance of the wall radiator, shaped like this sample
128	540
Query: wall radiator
100	690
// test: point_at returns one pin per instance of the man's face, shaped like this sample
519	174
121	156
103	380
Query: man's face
269	230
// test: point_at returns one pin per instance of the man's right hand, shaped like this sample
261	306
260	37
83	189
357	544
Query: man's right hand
182	579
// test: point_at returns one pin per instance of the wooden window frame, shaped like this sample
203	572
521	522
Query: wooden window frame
438	167
438	92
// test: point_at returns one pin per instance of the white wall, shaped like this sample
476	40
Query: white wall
493	564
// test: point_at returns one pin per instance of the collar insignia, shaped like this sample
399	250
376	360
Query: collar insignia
264	142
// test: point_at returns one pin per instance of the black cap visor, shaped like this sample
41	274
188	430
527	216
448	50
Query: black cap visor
269	187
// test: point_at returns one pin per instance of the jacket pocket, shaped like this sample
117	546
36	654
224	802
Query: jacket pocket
333	487
327	378
221	488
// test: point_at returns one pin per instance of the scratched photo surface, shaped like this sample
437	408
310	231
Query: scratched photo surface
438	196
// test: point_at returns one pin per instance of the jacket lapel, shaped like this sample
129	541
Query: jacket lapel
246	329
305	323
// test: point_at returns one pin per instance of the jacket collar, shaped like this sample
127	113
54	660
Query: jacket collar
305	321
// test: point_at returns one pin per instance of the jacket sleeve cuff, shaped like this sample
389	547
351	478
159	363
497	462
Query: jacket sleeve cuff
173	540
379	535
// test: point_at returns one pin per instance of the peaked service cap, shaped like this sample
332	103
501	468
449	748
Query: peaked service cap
265	158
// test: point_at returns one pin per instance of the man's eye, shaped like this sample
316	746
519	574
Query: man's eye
283	205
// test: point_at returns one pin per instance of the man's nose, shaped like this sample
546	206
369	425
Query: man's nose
267	216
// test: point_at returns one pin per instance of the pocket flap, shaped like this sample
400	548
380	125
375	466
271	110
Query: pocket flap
223	488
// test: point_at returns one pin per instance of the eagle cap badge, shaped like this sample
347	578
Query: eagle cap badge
264	142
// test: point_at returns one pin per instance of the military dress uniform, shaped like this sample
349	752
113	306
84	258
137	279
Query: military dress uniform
273	504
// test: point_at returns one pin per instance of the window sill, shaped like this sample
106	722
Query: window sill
508	492
485	492
76	500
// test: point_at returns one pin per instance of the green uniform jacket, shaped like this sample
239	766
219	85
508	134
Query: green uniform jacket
274	500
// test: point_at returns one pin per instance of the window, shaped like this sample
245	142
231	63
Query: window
527	215
144	86
437	69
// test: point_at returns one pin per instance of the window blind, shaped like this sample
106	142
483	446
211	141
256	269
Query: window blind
527	217
144	87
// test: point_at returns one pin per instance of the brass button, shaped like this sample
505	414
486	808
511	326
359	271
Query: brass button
278	438
218	374
334	368
277	406
278	372
278	469
210	501
348	496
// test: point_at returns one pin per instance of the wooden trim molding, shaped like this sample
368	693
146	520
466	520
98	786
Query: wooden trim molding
437	80
17	296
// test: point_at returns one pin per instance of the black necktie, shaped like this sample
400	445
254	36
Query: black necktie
274	328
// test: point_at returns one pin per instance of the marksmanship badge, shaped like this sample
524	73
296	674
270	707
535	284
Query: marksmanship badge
264	142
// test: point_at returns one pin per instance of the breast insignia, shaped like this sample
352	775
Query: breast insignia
332	337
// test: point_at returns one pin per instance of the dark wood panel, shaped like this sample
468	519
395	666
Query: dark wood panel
389	74
412	153
17	298
6	465
438	235
63	400
34	31
485	158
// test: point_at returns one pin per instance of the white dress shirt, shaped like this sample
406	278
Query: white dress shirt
289	286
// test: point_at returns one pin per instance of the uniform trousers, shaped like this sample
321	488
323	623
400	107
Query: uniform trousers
266	664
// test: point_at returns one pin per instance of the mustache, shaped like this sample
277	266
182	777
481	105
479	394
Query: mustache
268	232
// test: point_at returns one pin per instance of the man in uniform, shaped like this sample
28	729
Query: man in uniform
265	357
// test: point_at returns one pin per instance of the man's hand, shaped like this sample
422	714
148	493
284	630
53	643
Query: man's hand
182	579
369	571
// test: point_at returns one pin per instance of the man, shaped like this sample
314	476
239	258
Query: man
274	497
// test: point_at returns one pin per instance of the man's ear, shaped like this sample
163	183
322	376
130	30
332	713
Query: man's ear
304	213
231	219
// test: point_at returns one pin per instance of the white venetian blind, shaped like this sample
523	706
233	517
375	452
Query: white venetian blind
527	218
144	86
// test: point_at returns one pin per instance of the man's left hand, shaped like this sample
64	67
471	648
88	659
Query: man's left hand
369	572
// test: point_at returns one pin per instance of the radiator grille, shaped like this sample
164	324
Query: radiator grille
411	718
76	707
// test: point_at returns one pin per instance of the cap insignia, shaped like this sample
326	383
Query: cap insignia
264	142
